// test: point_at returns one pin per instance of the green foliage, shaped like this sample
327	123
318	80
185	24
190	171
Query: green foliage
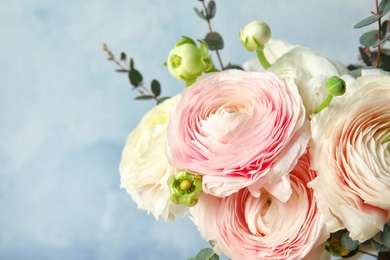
135	77
377	246
206	254
383	255
214	41
385	237
384	7
367	21
348	243
162	99
123	57
144	97
211	10
155	87
369	38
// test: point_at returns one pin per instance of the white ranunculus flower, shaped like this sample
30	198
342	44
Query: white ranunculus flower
309	69
350	149
272	51
144	167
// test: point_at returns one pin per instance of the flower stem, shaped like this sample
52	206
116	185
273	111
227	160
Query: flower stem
263	60
324	104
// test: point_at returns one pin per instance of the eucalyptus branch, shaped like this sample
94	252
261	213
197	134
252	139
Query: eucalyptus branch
212	33
378	55
124	67
373	255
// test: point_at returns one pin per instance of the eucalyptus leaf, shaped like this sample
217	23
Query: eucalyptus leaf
123	56
162	99
384	255
385	236
365	57
135	77
369	38
200	13
144	97
387	37
215	42
384	7
131	63
377	246
367	21
211	9
121	70
156	88
207	254
348	242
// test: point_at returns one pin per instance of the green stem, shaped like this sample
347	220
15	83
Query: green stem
324	104
263	60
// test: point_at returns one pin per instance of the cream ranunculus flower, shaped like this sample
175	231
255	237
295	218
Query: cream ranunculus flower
144	167
351	152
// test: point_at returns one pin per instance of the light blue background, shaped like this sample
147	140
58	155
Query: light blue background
65	113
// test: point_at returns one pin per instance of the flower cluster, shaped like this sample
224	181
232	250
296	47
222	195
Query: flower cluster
279	160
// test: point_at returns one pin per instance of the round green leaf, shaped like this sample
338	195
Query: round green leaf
348	242
385	236
387	37
200	13
367	21
215	42
211	9
384	7
207	254
162	99
144	97
369	38
135	77
156	88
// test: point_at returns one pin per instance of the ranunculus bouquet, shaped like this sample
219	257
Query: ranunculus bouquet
286	157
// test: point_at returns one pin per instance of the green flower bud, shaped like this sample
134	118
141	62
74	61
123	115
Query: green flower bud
187	61
185	188
255	35
336	86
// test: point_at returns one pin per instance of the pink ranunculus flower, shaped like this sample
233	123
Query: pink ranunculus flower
351	152
244	227
239	129
144	167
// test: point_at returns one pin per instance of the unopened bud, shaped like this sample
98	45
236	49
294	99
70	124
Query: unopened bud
187	61
255	35
336	86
